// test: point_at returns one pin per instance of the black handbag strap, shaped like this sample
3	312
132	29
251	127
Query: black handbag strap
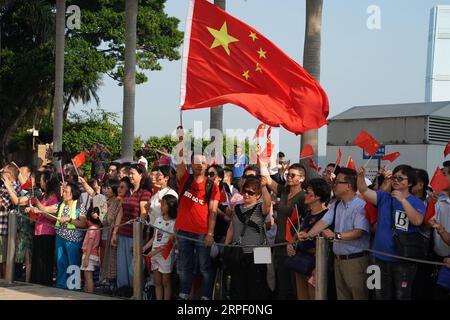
247	219
332	225
392	215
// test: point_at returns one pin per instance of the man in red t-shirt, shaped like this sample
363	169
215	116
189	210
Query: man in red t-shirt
196	219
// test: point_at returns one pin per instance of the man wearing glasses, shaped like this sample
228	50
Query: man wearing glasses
351	229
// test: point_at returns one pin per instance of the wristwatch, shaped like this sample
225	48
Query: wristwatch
338	235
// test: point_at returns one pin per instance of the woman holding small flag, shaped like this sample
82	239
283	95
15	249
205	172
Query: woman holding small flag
290	208
400	215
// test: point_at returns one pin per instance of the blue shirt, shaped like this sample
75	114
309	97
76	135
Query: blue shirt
239	163
349	216
383	236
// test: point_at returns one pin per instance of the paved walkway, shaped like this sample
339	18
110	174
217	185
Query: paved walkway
28	291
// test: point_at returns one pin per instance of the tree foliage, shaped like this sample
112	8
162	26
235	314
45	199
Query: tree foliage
27	56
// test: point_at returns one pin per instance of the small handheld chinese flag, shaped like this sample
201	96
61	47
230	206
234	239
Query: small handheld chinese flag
367	143
307	151
227	61
351	163
438	182
339	158
260	131
167	248
312	164
391	157
294	220
26	186
371	213
431	210
79	159
447	149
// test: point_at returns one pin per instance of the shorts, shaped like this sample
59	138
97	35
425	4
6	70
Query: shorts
94	261
162	265
3	248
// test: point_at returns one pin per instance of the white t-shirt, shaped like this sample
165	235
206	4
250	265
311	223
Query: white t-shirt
161	238
155	203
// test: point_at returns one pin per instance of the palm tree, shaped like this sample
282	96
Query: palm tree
81	91
216	114
58	100
311	63
129	81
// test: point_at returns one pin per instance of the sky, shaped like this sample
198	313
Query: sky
359	66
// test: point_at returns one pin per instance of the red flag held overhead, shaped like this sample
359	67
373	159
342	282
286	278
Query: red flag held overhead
313	164
227	61
391	157
367	143
260	131
307	151
339	158
79	159
351	163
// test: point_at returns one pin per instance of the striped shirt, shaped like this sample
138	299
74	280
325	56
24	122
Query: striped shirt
5	205
131	210
254	234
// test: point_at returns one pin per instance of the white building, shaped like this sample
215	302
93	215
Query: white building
438	65
419	131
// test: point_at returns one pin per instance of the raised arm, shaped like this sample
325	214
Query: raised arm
267	200
368	194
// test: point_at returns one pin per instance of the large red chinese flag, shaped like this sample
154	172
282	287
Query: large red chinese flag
79	159
227	61
367	143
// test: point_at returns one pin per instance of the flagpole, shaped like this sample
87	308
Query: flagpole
62	172
296	231
76	170
364	166
298	216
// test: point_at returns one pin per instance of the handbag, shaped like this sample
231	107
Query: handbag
410	245
235	256
302	262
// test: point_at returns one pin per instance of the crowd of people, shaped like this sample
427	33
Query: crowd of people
192	210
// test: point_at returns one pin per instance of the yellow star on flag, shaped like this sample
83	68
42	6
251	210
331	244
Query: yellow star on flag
222	38
253	36
262	53
258	67
246	74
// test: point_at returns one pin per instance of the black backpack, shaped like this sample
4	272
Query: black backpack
209	186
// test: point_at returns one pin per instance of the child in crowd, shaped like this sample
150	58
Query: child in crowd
162	243
90	259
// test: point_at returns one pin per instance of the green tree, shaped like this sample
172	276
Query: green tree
27	69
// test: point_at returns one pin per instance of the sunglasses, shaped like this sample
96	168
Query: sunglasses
398	178
211	174
249	192
293	175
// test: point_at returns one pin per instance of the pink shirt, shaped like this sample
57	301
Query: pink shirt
41	229
92	233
